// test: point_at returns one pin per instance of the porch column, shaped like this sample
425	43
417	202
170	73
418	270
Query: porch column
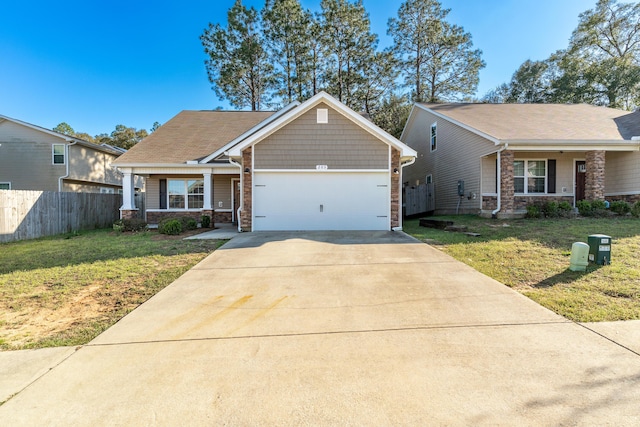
207	192
128	209
594	176
507	191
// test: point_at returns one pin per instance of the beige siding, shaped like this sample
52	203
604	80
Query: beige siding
86	164
622	173
153	192
222	191
26	159
339	144
489	174
458	156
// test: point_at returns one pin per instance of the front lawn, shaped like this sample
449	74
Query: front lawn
532	256
66	290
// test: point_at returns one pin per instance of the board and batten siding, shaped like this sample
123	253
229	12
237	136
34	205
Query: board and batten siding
338	144
622	173
458	156
26	159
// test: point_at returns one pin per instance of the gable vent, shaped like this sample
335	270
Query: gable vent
322	115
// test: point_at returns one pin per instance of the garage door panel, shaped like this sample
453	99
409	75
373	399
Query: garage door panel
321	201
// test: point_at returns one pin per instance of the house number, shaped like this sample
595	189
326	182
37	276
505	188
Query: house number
322	167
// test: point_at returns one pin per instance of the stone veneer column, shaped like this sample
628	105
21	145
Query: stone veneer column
247	186
395	188
507	191
594	177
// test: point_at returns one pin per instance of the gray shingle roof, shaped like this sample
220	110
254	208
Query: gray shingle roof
544	121
192	135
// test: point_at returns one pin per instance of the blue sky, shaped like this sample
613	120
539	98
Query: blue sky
97	64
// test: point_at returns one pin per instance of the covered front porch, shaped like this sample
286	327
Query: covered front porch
515	177
185	191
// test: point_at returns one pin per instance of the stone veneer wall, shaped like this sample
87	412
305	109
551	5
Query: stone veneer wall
489	203
395	188
245	214
521	202
594	179
222	217
506	182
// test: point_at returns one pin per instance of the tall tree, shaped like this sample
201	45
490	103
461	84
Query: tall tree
393	114
602	63
237	66
531	83
287	31
64	128
438	59
348	45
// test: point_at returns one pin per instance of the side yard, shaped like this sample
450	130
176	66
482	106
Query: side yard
532	256
65	290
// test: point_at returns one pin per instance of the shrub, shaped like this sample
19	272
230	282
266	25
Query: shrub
205	220
635	209
533	211
565	206
620	207
550	209
190	224
584	207
171	226
130	225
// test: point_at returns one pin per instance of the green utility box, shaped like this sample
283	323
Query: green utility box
600	249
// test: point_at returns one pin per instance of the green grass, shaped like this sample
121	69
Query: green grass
532	256
66	290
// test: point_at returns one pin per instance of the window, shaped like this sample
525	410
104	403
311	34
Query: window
530	176
429	179
185	194
5	186
58	151
434	132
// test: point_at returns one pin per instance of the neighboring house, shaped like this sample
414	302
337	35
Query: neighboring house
513	155
311	166
35	158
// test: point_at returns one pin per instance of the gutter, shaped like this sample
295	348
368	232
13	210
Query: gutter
499	181
67	161
233	162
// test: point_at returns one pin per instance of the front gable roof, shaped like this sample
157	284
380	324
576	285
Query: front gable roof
406	153
541	122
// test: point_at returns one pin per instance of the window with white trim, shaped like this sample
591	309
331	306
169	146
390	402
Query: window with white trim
58	154
530	176
185	193
5	186
434	135
429	179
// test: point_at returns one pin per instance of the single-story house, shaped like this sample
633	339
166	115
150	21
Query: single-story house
316	165
35	158
495	159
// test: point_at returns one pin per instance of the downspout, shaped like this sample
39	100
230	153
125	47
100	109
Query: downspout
402	165
499	182
66	161
233	162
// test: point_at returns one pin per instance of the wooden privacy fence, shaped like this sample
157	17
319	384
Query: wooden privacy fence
33	214
419	199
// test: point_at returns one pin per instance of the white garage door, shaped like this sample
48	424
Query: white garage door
321	201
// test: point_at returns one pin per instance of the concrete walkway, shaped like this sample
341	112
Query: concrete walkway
337	329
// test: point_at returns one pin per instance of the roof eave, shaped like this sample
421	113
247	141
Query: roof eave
570	145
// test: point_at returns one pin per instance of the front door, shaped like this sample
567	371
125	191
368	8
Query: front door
581	169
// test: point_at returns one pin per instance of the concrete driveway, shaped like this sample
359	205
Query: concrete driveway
366	328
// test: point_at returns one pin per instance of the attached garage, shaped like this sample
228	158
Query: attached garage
321	201
320	166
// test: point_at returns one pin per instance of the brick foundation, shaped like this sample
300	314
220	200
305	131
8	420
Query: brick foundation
223	217
130	214
489	203
521	202
629	198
